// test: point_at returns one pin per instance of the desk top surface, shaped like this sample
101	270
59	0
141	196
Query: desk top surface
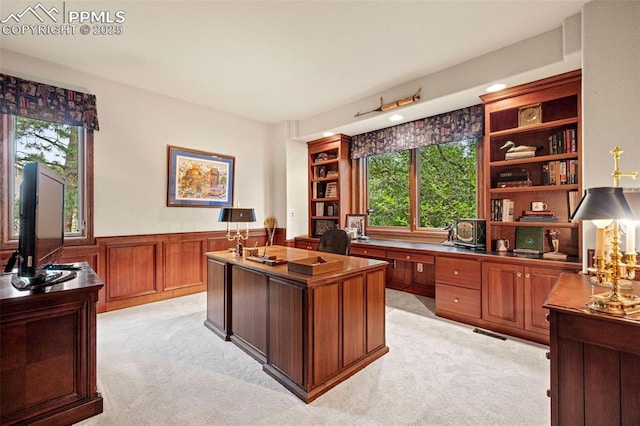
86	279
572	292
351	264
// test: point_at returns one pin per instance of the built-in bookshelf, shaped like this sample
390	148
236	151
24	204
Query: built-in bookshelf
532	153
329	183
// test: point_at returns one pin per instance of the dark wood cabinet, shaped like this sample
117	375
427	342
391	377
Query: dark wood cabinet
595	359
48	351
514	294
458	284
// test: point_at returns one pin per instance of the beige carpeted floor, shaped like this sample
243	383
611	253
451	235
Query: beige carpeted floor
159	365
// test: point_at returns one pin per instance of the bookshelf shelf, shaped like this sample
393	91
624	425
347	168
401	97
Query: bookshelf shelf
552	175
329	183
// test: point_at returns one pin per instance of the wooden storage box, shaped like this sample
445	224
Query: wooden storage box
314	265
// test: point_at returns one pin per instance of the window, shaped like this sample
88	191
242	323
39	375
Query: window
64	148
445	182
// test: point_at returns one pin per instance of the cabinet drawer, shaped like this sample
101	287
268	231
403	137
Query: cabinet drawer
411	257
367	251
460	300
462	272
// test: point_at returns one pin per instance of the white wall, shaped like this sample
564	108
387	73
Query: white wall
131	152
611	94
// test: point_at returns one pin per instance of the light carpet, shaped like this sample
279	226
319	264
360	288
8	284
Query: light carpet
159	365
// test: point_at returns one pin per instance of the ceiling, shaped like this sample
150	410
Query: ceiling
274	61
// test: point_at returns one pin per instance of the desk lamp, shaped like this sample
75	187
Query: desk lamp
605	206
237	215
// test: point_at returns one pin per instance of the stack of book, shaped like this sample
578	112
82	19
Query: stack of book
513	178
538	216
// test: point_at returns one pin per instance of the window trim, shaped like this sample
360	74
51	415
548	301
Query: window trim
86	236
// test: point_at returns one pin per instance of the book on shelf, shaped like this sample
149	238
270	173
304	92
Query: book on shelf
538	219
560	172
502	210
319	208
574	199
538	213
564	141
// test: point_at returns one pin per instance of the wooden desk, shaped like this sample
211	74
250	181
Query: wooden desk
309	332
48	351
595	358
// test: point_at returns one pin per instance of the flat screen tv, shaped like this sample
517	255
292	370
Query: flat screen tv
41	231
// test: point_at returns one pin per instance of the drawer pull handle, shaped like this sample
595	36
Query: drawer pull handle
456	300
527	275
456	272
519	274
365	252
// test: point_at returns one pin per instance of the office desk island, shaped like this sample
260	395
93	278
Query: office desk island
310	332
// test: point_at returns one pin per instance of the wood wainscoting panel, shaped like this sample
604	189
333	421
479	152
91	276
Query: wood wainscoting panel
184	264
131	270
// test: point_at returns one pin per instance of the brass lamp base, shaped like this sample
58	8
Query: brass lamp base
614	304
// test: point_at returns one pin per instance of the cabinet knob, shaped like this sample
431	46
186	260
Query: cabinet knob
456	300
527	275
519	274
365	252
456	272
408	257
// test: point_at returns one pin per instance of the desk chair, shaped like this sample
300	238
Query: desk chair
335	241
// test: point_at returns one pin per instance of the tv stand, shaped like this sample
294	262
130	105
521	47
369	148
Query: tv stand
48	359
45	279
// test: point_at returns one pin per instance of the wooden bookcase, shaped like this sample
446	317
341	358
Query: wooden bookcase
329	183
552	176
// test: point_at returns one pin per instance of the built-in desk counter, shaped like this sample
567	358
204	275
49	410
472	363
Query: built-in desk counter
310	332
499	292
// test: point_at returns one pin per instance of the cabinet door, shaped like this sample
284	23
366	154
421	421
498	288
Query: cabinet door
537	285
502	294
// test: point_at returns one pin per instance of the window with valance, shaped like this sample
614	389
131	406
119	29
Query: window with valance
53	126
421	175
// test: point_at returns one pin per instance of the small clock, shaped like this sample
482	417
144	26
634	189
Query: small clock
531	114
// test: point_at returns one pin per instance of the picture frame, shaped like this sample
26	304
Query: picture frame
357	222
198	178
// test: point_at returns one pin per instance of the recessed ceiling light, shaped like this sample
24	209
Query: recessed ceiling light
325	134
496	87
396	117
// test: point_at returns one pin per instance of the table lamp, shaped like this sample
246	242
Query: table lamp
237	215
605	206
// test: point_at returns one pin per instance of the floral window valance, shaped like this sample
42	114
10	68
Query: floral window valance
48	103
462	124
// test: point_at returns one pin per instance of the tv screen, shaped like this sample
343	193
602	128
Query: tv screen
41	221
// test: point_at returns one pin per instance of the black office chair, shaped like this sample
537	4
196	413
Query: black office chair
335	241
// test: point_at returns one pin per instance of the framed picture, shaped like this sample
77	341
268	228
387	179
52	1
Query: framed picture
198	178
357	223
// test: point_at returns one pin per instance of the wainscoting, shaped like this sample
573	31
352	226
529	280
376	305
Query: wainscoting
138	269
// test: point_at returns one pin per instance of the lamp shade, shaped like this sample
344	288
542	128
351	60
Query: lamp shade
602	203
632	195
236	214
